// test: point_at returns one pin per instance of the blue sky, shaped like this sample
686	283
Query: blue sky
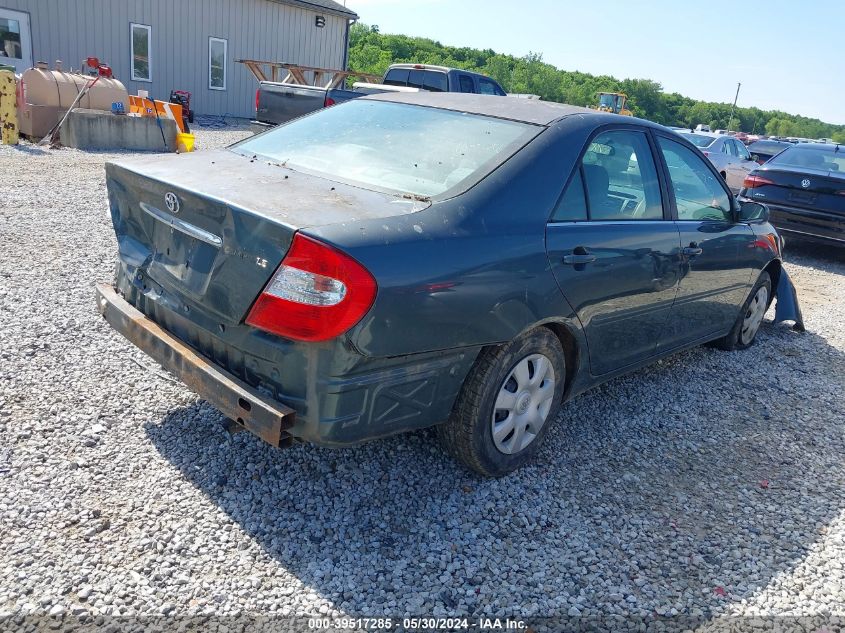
789	55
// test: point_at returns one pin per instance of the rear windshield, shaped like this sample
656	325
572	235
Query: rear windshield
812	158
393	146
430	80
397	77
699	140
767	147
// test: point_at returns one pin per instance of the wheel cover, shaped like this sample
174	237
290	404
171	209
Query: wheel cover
754	315
523	403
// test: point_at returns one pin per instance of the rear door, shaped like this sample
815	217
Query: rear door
742	165
614	250
717	262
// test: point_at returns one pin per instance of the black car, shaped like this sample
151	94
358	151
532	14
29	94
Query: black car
804	187
761	151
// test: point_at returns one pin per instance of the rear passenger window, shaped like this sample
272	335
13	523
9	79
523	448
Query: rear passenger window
487	87
698	193
434	81
620	178
397	77
466	84
573	206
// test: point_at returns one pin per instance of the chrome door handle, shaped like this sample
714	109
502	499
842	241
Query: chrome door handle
583	258
692	250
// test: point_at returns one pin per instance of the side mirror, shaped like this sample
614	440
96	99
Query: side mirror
753	212
755	158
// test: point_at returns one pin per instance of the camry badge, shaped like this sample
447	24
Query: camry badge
172	202
805	183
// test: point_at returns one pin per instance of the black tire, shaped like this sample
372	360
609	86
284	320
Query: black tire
468	434
734	339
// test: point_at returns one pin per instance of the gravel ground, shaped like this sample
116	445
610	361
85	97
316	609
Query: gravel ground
709	484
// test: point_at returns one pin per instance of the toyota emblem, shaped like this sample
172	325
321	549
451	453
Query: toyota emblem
172	201
805	183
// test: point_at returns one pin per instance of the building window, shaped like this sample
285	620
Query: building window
141	58
217	63
10	38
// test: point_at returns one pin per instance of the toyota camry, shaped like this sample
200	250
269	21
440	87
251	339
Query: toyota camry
413	260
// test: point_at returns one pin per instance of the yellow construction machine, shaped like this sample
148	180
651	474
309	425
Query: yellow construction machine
614	102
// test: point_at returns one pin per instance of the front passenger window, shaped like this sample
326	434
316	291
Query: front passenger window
698	193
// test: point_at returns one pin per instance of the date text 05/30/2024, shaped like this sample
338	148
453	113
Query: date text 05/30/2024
417	624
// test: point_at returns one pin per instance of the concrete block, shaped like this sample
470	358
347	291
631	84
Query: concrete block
98	130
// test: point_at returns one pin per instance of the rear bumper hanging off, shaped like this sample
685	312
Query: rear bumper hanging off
262	416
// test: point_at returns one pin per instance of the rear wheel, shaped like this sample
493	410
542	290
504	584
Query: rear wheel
744	331
507	404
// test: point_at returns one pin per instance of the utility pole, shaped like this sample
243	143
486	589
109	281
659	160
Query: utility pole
733	107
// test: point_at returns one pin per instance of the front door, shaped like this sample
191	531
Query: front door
716	267
614	253
15	40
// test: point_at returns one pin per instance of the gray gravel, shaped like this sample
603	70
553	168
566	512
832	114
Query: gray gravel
710	483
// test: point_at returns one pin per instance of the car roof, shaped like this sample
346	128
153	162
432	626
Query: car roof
523	110
773	141
824	147
421	67
442	69
708	134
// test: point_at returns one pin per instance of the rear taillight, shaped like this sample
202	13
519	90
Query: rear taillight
257	97
316	294
752	182
329	102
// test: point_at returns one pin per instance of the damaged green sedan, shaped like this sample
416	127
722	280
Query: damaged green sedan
405	261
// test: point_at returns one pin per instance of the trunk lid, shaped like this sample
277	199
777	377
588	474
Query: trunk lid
209	229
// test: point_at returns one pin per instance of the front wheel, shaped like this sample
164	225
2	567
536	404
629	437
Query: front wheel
507	404
744	331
